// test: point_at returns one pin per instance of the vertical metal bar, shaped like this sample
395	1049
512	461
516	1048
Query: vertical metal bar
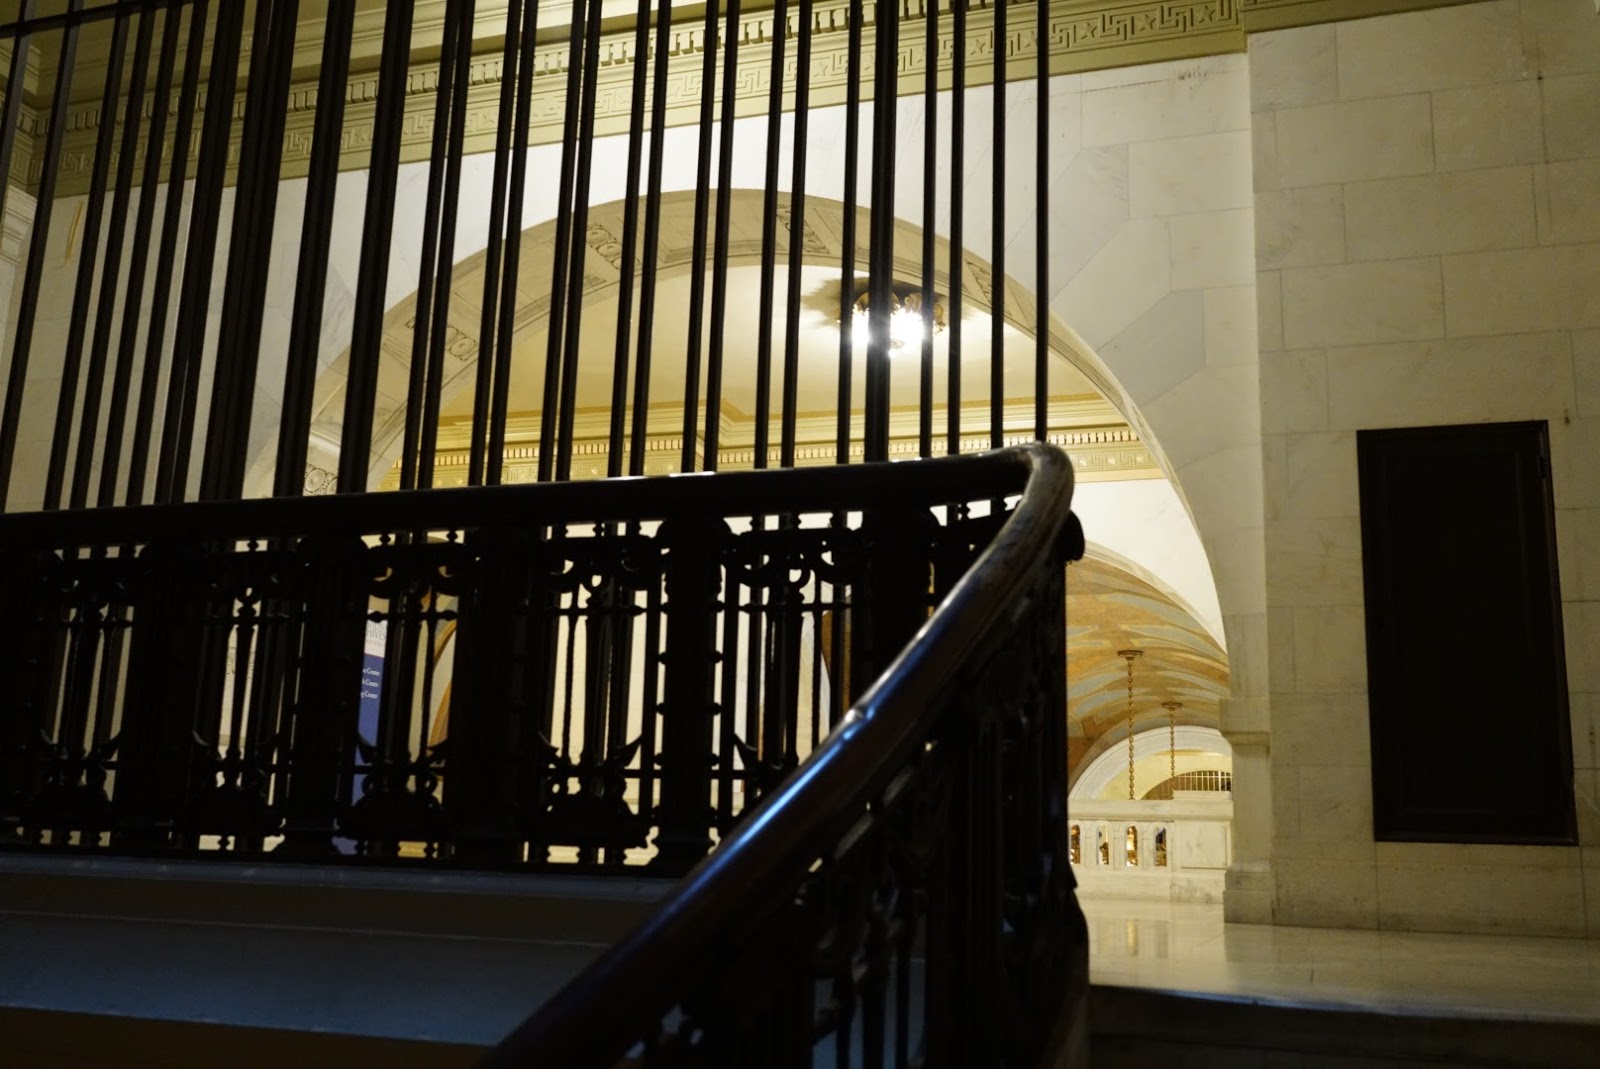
797	232
847	268
652	235
702	207
166	255
487	355
997	269
316	237
719	281
89	250
958	254
28	308
1041	244
433	206
11	111
885	111
254	219
930	197
630	241
193	309
494	463
460	85
133	300
580	241
366	345
549	405
769	234
110	275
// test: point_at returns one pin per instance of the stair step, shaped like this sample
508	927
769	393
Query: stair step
1177	1030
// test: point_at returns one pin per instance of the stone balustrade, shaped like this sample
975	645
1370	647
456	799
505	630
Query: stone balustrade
1176	850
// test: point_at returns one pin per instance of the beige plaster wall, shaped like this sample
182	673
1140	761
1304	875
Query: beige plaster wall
1428	239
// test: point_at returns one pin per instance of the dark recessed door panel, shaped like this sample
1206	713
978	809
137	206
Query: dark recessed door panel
1471	740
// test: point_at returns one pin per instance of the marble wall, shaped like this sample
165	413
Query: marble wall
1427	196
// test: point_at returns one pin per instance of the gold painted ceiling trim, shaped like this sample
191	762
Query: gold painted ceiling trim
1084	35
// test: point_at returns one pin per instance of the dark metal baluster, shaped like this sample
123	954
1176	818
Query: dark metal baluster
420	382
166	255
549	412
494	462
769	234
697	269
83	288
580	242
249	259
177	433
110	274
460	86
885	108
325	705
620	612
316	237
997	231
652	235
11	111
958	256
726	709
797	233
650	705
366	346
28	304
1041	244
847	268
719	270
505	124
930	235
630	242
133	298
693	586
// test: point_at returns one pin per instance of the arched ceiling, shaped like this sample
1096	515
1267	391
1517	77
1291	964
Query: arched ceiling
1111	609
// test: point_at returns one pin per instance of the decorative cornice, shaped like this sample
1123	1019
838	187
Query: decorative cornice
1083	35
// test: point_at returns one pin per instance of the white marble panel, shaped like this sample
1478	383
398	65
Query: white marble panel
1572	116
1274	476
1579	534
1226	489
1437	49
1236	549
1294	391
1213	249
1488	126
1537	901
1280	652
1161	348
1293	68
1091	199
1201	96
1129	276
1573	447
1216	409
1269	310
1206	173
1231	325
1355	140
1457	381
1336	802
1463	211
1325	894
1523	290
1586	371
1567	196
1264	150
1353	304
1302	227
1585	712
1319	729
1321	478
1330	648
1314	562
1453	896
1581	624
1560	36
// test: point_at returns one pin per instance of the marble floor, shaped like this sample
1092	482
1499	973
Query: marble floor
1184	947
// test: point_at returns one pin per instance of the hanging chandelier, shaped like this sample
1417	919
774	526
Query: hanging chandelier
1130	656
908	325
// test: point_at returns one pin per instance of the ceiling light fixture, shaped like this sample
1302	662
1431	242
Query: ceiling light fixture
908	323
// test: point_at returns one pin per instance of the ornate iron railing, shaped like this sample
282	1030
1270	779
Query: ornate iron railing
905	897
591	674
